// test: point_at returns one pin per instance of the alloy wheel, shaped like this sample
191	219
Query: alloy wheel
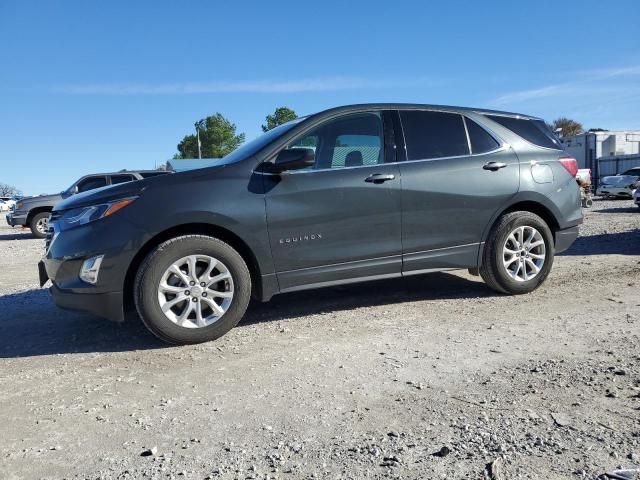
195	291
42	225
523	253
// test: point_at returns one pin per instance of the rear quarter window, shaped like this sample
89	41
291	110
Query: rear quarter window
481	140
533	131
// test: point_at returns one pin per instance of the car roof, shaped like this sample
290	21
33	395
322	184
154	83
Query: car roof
421	106
125	172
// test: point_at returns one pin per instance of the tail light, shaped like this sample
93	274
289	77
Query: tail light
570	164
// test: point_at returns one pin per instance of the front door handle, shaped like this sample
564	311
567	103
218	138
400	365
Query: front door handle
379	178
493	166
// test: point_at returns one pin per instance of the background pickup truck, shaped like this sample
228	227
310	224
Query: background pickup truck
33	212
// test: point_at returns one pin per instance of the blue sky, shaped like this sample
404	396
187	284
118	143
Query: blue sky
93	86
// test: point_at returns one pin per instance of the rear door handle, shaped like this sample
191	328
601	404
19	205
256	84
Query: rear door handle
493	166
379	178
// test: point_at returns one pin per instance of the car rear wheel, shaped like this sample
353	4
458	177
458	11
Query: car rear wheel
518	254
40	224
192	289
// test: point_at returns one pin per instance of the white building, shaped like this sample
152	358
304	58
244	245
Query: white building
605	152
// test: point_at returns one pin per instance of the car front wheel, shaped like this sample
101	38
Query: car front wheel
192	289
518	254
40	224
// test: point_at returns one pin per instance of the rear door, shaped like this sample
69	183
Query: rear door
457	175
340	219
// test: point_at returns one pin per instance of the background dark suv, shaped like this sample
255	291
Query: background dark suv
354	193
33	212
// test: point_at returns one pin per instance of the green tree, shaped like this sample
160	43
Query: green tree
567	127
280	115
218	138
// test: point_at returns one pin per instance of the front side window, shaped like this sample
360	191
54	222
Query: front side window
431	135
353	140
91	183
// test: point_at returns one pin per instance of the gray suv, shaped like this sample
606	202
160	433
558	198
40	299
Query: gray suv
351	194
33	212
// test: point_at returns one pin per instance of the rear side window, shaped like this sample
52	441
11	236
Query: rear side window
115	179
533	131
152	174
481	140
433	134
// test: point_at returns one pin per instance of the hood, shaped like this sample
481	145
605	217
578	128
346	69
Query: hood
123	190
103	194
618	180
54	198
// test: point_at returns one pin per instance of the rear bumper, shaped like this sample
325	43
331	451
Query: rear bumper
565	238
105	305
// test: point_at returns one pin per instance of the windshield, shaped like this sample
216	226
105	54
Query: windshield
252	147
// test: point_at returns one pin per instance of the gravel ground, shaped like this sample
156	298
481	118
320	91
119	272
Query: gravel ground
425	377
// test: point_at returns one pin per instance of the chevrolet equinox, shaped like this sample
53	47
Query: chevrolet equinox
351	194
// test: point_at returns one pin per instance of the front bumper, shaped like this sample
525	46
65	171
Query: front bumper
106	305
565	238
13	219
613	192
67	251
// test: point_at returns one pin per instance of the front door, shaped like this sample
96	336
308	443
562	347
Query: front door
340	219
456	177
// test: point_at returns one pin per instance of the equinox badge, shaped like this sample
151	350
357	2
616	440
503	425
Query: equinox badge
301	238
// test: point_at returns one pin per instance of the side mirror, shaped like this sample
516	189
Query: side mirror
293	159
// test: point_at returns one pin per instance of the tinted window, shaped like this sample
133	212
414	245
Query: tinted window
91	183
153	174
481	141
121	179
433	134
533	131
349	141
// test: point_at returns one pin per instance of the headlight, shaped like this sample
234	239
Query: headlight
19	205
80	216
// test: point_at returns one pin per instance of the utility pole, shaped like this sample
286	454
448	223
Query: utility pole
197	125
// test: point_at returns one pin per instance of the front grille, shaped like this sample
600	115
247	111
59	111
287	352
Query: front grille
50	231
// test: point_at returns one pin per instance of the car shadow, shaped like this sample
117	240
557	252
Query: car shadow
621	243
617	210
17	236
434	286
32	326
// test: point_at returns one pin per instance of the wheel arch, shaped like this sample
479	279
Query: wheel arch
534	205
207	229
36	210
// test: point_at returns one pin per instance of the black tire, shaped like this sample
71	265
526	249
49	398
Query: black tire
38	218
150	273
492	269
